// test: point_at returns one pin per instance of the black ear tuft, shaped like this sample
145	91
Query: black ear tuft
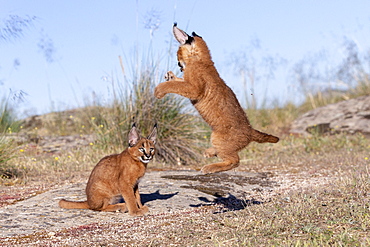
195	35
133	125
175	24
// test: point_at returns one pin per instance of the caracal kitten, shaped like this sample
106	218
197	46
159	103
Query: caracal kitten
214	100
118	175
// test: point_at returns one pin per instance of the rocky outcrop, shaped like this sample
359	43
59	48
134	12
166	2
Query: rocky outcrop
350	116
52	144
162	191
55	131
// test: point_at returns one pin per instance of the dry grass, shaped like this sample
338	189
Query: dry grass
307	154
312	216
335	216
315	100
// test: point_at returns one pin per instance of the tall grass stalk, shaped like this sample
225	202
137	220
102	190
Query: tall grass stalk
7	115
7	122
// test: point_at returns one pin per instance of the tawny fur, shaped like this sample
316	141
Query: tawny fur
214	100
118	175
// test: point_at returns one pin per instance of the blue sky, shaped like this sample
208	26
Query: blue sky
88	36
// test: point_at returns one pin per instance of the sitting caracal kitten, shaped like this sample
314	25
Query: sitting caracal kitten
214	100
118	175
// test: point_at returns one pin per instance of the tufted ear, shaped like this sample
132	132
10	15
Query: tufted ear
133	136
195	35
180	35
153	136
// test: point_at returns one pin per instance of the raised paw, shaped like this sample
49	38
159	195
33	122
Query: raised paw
169	76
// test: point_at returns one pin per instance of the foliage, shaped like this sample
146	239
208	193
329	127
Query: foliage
7	153
14	26
7	116
319	99
276	119
324	82
7	123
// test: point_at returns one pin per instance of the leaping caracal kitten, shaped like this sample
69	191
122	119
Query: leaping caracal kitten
214	100
118	175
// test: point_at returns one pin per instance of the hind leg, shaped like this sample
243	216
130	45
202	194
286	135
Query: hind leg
115	207
104	204
224	147
229	162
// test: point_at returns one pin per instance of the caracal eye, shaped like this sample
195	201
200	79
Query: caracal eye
141	150
151	149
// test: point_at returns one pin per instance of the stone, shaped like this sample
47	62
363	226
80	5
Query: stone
349	116
162	191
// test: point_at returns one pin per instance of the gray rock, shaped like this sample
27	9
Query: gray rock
350	116
162	191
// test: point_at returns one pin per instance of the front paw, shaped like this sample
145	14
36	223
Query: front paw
140	212
170	76
158	93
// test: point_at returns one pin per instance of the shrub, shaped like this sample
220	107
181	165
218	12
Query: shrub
7	121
